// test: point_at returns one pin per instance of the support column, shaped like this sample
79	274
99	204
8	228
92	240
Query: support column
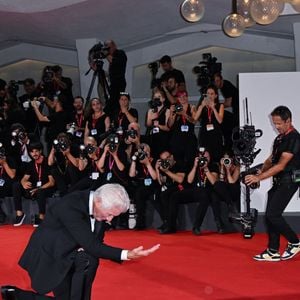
297	45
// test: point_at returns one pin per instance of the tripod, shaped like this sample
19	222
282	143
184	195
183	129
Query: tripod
102	82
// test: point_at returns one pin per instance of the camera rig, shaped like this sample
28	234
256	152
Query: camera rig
244	141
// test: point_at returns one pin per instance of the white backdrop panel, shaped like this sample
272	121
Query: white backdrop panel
264	92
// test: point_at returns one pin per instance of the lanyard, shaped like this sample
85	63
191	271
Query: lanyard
94	122
120	118
146	172
79	119
111	162
209	113
38	168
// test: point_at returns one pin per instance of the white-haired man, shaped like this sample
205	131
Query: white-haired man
63	253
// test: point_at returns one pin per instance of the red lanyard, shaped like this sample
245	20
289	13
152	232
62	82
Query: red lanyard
38	168
202	174
1	171
209	113
146	172
120	118
79	119
111	162
94	122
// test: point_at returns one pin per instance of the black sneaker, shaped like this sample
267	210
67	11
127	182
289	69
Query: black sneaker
290	251
19	220
196	230
37	221
267	255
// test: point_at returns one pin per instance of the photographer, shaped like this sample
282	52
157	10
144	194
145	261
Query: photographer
89	155
97	121
144	182
281	164
211	113
183	142
227	188
7	175
117	68
170	176
63	164
132	139
36	184
125	115
170	71
156	121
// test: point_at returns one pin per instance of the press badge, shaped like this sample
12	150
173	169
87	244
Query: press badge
2	182
79	134
93	131
95	175
155	130
210	127
147	181
184	128
109	176
39	184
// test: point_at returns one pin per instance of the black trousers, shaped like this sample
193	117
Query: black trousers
279	197
77	284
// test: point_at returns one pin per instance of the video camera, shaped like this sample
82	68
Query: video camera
97	53
206	69
13	86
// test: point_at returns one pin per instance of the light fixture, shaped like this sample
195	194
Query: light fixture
265	12
243	9
295	4
192	10
234	24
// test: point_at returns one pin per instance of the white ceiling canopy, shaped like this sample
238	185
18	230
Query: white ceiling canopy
34	6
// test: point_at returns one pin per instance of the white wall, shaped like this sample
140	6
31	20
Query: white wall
264	92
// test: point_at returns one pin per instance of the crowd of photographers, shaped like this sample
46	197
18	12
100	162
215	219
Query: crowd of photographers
52	144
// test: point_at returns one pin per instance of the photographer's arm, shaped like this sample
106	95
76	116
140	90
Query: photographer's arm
101	161
71	158
169	96
197	112
150	169
165	127
118	162
219	115
9	171
82	163
38	114
177	177
211	176
192	173
132	169
172	117
107	123
51	157
49	183
234	176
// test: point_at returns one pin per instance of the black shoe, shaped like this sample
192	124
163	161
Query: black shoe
8	292
167	230
37	221
162	226
19	220
196	230
220	227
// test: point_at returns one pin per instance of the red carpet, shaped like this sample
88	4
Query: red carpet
210	266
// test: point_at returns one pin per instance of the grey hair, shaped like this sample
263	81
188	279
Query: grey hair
112	195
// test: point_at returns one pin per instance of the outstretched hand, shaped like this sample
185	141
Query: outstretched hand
140	251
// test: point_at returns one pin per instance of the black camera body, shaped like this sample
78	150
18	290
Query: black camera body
140	154
226	161
17	136
13	86
154	104
113	142
97	53
60	145
178	108
132	133
202	162
165	164
2	151
154	66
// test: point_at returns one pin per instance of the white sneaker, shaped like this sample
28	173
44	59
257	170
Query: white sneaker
267	256
290	251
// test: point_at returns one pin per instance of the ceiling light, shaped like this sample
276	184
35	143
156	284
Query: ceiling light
243	9
234	24
192	10
265	12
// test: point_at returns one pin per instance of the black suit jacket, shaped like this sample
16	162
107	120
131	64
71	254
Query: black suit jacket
50	252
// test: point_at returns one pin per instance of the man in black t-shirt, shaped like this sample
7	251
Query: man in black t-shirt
284	160
37	184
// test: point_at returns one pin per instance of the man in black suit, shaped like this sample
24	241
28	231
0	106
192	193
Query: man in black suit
62	254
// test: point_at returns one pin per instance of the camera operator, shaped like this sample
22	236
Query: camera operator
227	188
183	142
97	121
7	175
125	115
132	139
284	160
170	176
36	184
170	71
56	121
117	67
63	163
157	123
211	113
144	182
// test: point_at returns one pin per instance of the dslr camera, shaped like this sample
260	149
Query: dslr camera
113	141
61	145
132	133
86	150
165	163
202	162
178	107
226	161
140	154
17	136
154	104
2	151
